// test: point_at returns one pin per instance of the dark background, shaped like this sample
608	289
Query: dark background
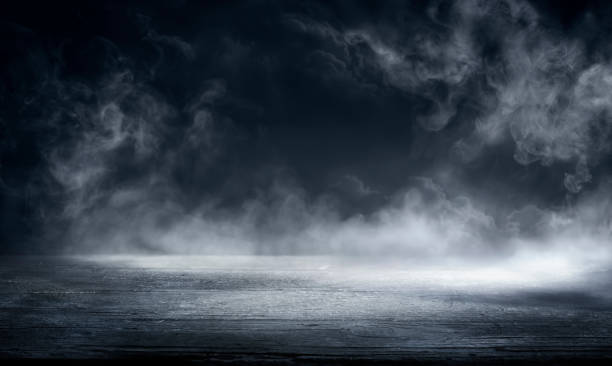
283	110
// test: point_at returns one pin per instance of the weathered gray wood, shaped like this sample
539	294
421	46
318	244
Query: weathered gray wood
287	309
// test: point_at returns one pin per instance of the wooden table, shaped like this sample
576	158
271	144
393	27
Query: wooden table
295	309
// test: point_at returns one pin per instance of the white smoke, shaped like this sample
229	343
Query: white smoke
105	130
542	92
546	97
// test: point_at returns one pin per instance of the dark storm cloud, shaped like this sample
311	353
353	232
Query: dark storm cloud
430	128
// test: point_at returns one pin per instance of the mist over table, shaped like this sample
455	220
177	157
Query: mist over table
306	182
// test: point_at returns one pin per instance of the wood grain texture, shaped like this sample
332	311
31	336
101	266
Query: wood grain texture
284	310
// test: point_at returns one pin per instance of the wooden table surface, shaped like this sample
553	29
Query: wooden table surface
296	309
